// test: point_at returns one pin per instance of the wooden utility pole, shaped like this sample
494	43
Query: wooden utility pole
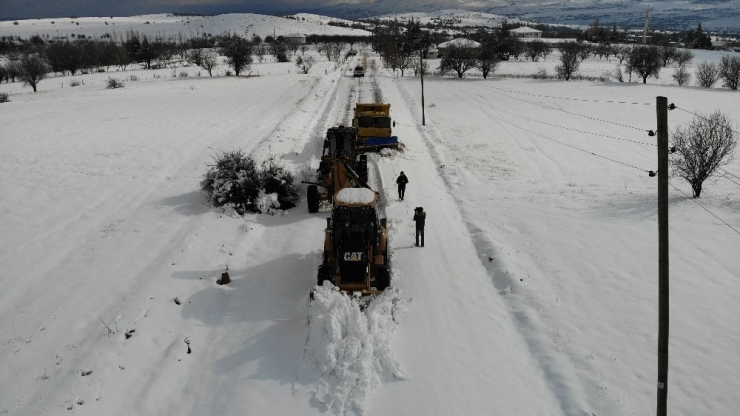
645	30
421	69
662	112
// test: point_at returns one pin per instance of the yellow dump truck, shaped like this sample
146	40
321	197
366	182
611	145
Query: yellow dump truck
373	124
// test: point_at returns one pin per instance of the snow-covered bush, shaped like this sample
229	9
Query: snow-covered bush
275	179
682	76
304	64
114	83
729	71
706	74
235	180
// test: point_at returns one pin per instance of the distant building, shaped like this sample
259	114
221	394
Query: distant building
525	32
432	53
295	38
720	45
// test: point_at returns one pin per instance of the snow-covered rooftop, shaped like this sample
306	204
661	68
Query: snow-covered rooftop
460	43
525	29
355	196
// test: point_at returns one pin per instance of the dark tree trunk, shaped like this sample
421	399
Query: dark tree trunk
697	189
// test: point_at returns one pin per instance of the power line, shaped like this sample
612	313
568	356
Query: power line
726	177
729	173
674	106
573	113
705	209
572	99
569	128
556	141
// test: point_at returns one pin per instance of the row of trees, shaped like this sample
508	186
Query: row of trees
153	52
399	48
707	74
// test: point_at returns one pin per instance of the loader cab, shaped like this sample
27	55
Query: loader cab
370	122
340	142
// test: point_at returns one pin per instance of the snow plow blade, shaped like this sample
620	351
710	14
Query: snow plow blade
378	142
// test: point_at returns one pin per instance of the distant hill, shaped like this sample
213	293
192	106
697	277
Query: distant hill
666	14
715	15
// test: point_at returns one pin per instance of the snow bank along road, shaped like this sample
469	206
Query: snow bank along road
518	304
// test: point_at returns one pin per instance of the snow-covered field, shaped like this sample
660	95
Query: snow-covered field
170	25
536	293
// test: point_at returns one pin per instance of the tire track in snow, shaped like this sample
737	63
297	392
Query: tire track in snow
500	278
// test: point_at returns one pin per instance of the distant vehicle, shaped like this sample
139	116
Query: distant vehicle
359	71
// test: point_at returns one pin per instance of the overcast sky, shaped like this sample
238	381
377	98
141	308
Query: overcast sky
29	9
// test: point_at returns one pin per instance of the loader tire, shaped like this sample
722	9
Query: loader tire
323	275
312	197
382	277
362	168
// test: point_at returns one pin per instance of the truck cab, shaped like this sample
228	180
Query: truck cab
359	71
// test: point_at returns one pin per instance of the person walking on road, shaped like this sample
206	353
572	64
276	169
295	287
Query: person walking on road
402	181
420	218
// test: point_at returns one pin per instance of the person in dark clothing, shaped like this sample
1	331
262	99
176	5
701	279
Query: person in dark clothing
420	218
402	181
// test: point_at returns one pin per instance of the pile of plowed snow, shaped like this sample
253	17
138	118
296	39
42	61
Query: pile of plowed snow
347	354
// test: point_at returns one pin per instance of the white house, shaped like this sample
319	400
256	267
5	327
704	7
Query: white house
525	32
295	38
432	52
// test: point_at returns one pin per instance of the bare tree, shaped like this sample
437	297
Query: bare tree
12	70
238	53
618	73
667	53
569	60
259	50
458	59
390	54
194	56
334	51
729	71
584	51
706	144
304	64
209	60
644	61
535	49
405	62
622	53
488	58
683	57
32	70
706	74
280	51
514	46
682	76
